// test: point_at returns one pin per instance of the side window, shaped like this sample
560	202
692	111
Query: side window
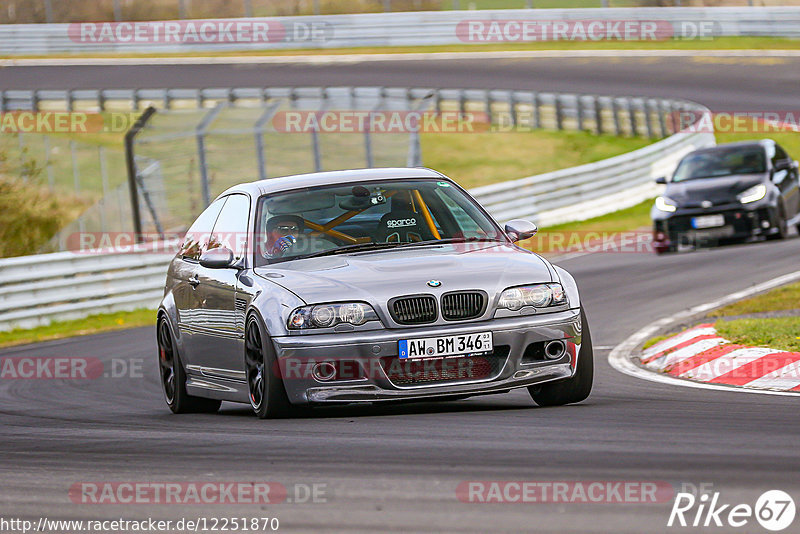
199	233
230	229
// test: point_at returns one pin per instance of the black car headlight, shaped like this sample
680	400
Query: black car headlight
536	295
328	315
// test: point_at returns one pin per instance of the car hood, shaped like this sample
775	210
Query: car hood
723	190
376	277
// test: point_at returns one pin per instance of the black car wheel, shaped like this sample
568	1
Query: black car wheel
782	226
578	386
173	377
265	385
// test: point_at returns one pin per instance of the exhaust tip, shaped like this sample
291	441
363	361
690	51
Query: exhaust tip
554	350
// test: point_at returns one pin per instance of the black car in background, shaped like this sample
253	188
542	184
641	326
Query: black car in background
728	193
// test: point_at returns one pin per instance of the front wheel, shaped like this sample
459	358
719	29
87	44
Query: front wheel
578	386
265	385
783	228
173	377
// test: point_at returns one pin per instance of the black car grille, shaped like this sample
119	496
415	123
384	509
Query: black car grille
463	305
445	370
414	310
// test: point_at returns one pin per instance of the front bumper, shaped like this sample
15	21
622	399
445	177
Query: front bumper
514	363
740	223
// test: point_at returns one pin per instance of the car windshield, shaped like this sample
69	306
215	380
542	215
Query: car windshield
367	216
727	162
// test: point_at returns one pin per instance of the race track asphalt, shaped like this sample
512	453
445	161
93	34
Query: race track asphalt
396	468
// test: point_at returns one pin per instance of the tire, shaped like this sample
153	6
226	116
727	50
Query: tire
173	377
783	228
578	386
264	383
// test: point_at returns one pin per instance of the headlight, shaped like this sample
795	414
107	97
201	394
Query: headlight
328	315
757	192
538	296
666	204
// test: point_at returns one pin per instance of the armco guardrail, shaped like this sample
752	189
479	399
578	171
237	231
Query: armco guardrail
393	29
35	290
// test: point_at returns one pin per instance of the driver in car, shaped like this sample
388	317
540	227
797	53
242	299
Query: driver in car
282	233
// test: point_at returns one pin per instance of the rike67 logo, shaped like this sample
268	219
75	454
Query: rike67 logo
774	510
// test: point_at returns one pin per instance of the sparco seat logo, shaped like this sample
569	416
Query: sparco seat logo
397	223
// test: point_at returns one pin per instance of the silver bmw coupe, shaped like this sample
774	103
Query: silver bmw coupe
366	285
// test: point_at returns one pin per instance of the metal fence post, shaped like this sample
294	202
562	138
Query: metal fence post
200	133
248	8
559	114
48	11
260	128
661	119
48	166
598	115
579	108
512	108
117	11
75	173
537	111
130	136
615	114
648	119
632	117
101	154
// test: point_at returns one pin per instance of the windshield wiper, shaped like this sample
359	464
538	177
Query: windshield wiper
451	240
357	247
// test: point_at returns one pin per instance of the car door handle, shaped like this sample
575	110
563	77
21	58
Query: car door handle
194	281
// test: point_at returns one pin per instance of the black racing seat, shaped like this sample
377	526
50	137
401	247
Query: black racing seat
402	226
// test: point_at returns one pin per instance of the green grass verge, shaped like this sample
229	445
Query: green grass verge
476	159
94	324
775	332
720	43
782	298
637	216
653	340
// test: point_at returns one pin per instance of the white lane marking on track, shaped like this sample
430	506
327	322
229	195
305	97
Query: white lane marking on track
787	377
325	59
619	358
727	363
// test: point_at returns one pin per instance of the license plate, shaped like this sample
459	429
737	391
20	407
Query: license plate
436	347
708	221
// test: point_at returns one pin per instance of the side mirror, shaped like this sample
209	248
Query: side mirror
784	165
661	180
520	229
217	258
